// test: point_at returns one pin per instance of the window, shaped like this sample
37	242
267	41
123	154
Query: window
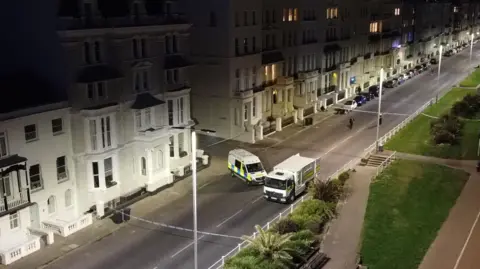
181	143
108	166
245	18
139	48
374	27
237	20
254	19
96	175
397	11
14	221
5	187
245	112
68	198
170	112
57	126
246	77
254	76
172	76
180	109
455	10
237	47
290	14
61	168
3	144
172	149
213	19
332	13
254	107
237	80
52	207
35	177
142	81
96	91
92	52
295	14
168	50
144	166
174	44
104	138
30	132
171	44
245	45
254	46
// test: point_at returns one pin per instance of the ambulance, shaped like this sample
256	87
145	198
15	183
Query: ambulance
290	178
246	166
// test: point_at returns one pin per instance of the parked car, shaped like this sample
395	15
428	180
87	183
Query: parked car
401	78
360	100
418	69
374	90
390	83
433	61
448	53
425	65
368	96
349	105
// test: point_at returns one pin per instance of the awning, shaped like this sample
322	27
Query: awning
98	73
146	100
11	160
272	57
176	61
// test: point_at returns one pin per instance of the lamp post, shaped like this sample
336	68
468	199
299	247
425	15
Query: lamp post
379	107
439	62
194	187
471	46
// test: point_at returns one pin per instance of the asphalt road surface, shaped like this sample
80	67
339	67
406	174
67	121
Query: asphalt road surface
228	206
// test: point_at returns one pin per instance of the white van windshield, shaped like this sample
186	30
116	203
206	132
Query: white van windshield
254	167
275	183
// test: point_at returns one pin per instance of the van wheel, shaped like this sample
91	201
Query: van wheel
291	199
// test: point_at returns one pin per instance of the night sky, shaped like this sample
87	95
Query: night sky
30	48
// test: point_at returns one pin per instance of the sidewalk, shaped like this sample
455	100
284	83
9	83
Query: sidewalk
218	150
344	236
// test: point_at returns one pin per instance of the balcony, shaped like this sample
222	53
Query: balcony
243	94
68	227
285	80
10	203
307	75
330	68
99	22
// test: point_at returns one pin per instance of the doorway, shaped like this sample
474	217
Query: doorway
34	216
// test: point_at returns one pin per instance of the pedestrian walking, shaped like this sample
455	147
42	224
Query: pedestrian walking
351	123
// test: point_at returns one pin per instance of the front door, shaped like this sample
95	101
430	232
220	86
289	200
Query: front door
34	216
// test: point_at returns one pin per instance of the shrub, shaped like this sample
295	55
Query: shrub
329	191
286	225
462	109
446	129
313	215
343	177
302	243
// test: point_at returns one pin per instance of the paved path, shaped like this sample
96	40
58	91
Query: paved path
344	236
228	206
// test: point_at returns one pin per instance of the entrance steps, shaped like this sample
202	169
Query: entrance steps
375	160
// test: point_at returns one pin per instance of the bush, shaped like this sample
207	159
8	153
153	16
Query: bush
446	129
343	177
302	243
313	214
329	191
285	226
468	107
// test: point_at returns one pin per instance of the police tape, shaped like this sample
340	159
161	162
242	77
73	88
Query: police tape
168	226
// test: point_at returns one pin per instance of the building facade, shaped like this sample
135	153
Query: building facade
267	64
123	128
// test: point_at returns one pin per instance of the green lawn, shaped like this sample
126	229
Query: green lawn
415	137
407	205
473	80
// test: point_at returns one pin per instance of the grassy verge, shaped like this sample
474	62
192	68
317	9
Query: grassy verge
407	205
415	138
473	80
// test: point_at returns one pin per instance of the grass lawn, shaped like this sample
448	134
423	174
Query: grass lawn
407	205
415	137
473	80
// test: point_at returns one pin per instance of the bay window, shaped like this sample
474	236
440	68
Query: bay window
105	179
100	130
143	119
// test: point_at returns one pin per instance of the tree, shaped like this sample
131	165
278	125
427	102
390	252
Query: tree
273	247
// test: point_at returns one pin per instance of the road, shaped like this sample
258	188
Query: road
228	206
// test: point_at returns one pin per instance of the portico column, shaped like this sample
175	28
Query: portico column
149	164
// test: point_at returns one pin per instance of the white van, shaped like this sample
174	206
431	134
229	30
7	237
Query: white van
246	166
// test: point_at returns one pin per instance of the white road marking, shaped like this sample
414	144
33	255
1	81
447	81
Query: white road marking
229	218
466	241
204	185
187	246
256	200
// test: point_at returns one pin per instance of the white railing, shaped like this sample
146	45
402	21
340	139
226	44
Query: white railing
348	166
22	250
67	228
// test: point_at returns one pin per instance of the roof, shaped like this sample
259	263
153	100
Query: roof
25	89
247	156
146	100
294	163
11	160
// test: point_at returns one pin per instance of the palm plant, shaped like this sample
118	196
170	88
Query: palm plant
273	247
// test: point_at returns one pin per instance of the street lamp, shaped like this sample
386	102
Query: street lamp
471	47
440	62
379	106
194	187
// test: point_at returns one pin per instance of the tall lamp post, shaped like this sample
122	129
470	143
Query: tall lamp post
194	187
471	47
439	62
379	107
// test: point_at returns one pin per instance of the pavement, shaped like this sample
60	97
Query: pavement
225	204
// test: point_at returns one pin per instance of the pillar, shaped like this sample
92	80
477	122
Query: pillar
278	124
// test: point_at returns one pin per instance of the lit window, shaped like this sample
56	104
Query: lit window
285	14
290	14
332	13
295	14
397	11
455	9
374	27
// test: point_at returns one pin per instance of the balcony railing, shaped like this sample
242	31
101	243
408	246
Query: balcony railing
12	202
